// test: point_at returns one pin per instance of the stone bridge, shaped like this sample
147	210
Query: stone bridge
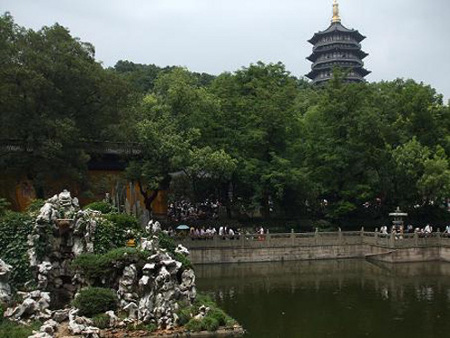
320	245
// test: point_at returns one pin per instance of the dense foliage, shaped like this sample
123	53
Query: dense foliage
101	268
259	140
103	207
93	301
113	230
14	230
9	329
60	96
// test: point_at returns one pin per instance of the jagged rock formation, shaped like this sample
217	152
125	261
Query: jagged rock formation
152	289
61	232
35	306
150	292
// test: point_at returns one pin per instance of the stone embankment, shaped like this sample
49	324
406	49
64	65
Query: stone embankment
320	245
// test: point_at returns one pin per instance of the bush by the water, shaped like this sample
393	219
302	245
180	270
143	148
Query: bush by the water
214	319
14	230
92	301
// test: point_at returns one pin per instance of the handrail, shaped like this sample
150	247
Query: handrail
407	240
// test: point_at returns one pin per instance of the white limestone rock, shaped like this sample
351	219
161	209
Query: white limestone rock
180	249
5	288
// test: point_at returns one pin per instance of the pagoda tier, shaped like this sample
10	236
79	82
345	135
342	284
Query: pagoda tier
337	47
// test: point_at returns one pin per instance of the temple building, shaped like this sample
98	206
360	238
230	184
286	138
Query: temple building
337	47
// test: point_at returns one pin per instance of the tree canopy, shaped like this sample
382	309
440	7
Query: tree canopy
256	139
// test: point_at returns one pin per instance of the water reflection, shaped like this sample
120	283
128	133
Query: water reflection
349	298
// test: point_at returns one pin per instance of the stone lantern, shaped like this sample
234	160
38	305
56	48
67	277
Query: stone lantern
398	218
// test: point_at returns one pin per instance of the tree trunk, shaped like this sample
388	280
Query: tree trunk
149	197
265	208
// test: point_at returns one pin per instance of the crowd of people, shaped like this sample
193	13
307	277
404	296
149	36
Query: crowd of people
184	210
410	229
223	232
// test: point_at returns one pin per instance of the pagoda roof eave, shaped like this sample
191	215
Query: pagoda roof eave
360	70
336	27
315	55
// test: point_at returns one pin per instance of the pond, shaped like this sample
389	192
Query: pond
347	298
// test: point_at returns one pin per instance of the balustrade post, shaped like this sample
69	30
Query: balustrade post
215	240
416	239
340	237
292	237
392	240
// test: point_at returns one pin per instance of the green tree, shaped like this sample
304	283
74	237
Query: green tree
256	128
54	97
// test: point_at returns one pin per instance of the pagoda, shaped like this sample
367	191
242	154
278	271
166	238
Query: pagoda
337	47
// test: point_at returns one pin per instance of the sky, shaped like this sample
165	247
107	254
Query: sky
405	38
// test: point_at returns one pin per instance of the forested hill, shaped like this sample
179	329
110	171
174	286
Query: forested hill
257	139
143	77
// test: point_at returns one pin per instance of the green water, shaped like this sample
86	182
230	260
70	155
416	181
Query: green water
351	298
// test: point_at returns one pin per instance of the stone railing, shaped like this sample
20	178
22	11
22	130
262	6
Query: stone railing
377	239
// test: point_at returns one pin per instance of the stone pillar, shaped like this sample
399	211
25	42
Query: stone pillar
392	240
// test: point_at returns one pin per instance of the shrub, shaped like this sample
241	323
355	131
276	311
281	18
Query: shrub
14	230
206	300
124	221
218	315
194	325
103	207
151	327
35	205
96	267
142	327
206	324
10	329
215	318
113	231
168	243
101	320
184	314
92	301
210	324
4	204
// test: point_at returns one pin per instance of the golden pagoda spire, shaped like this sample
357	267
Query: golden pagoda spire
336	17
